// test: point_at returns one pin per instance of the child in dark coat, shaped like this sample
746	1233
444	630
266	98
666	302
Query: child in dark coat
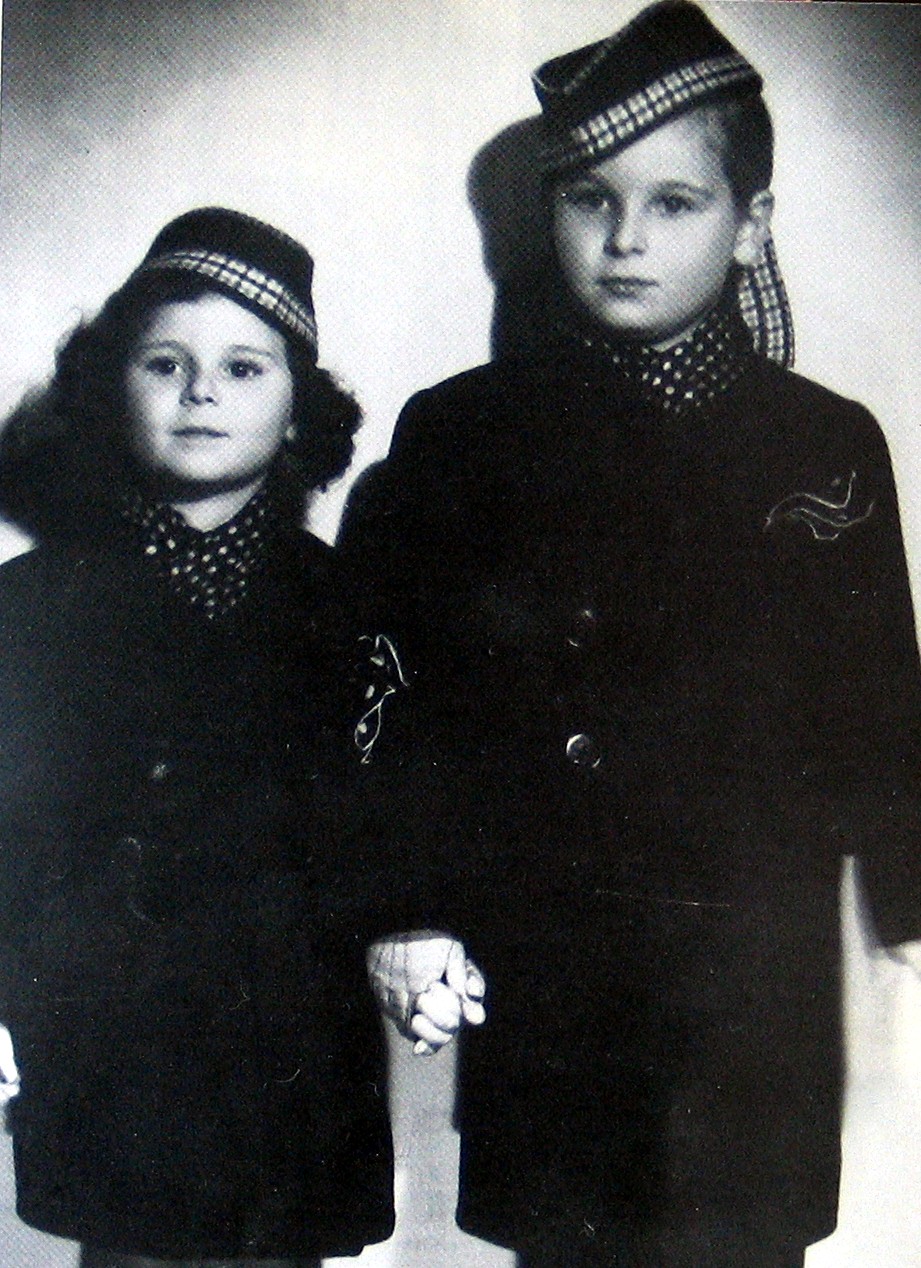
651	586
201	1065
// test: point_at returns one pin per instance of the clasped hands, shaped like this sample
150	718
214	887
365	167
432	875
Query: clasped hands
9	1074
426	984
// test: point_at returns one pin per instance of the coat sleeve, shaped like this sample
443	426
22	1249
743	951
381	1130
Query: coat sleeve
405	538
24	830
874	706
400	529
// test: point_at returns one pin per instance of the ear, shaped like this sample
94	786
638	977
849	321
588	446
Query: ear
754	228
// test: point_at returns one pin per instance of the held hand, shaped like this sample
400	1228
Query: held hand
424	982
442	1008
9	1074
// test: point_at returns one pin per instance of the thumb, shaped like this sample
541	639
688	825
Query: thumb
456	968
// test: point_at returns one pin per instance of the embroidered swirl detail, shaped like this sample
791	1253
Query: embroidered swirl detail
386	679
826	517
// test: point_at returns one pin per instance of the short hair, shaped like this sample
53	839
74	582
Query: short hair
746	143
64	448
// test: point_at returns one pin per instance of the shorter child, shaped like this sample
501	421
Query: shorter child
646	580
200	1058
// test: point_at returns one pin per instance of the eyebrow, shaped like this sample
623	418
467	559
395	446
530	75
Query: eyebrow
236	349
688	187
250	350
671	184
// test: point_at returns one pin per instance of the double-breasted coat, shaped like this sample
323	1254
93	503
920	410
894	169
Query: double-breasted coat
665	675
187	897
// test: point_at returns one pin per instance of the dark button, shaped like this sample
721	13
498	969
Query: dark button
582	750
582	627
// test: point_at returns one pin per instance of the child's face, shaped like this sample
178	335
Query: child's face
209	394
645	239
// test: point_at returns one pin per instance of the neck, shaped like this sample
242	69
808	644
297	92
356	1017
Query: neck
210	511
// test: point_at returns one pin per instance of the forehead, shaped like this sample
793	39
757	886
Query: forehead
211	320
687	150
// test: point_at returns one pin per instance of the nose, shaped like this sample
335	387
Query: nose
626	232
199	388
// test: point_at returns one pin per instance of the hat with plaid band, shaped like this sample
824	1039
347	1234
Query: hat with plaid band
601	98
668	60
251	262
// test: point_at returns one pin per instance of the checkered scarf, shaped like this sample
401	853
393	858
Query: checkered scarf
765	308
210	570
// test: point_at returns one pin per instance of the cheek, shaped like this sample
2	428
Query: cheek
269	413
281	408
715	251
149	410
140	409
577	247
576	271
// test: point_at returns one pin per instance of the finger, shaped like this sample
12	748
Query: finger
455	969
441	1006
394	1004
423	1049
473	1012
476	982
422	1028
8	1071
425	962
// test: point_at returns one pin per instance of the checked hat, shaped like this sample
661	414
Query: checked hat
251	262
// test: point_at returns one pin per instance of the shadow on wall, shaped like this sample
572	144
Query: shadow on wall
506	194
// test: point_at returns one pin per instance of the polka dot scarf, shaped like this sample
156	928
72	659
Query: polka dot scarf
209	570
686	376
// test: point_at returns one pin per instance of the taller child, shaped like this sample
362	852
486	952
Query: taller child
647	580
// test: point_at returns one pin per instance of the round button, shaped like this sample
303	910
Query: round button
582	750
582	626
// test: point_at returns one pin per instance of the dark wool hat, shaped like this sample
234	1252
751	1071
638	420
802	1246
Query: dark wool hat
253	263
599	99
669	59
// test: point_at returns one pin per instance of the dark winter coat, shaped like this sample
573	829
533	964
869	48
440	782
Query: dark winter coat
665	676
188	893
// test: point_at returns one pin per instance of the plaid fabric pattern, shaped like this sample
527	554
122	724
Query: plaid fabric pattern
766	310
258	287
624	122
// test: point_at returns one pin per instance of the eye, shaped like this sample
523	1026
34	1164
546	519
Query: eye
161	365
676	204
588	199
242	369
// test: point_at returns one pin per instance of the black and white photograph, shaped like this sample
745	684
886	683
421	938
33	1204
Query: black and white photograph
460	698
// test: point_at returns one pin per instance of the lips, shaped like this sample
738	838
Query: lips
626	286
199	433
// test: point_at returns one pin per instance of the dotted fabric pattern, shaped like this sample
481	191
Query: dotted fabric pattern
689	374
210	570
